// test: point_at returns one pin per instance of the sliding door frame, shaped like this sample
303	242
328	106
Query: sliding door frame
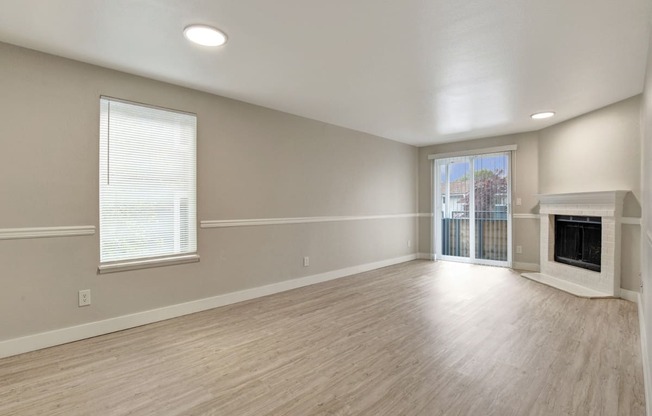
437	207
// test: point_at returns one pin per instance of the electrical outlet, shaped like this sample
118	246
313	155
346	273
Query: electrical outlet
84	297
409	243
519	249
306	261
519	201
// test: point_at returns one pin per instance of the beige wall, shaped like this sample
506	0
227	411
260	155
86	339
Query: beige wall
599	151
252	163
646	228
524	186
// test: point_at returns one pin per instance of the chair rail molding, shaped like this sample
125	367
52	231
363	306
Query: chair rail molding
46	232
297	220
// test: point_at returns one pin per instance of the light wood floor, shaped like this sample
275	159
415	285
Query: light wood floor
419	338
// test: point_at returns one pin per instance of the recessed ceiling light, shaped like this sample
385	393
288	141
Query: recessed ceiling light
204	35
543	114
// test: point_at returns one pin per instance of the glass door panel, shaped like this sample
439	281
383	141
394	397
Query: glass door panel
491	207
455	185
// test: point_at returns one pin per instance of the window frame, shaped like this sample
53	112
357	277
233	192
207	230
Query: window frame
151	261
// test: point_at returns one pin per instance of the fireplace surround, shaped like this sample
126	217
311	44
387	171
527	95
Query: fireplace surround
604	208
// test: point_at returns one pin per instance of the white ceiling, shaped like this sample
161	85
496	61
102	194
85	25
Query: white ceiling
415	71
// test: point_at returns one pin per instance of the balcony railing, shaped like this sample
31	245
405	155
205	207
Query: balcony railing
490	235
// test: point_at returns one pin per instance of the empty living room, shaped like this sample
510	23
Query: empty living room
410	208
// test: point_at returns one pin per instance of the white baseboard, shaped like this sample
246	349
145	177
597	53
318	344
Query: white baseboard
74	333
528	267
424	256
629	295
647	381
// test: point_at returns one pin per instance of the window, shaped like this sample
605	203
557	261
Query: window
148	208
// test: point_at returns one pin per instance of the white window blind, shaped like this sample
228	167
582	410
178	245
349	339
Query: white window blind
148	205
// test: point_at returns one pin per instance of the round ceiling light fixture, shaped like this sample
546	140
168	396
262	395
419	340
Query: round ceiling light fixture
204	35
542	115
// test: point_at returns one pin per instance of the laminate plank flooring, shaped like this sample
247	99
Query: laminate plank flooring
419	338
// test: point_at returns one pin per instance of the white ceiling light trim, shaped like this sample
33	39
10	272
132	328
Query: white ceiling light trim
204	35
542	115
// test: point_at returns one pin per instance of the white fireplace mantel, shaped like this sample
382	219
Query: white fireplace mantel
584	198
607	205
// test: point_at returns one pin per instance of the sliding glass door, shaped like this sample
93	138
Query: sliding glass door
472	209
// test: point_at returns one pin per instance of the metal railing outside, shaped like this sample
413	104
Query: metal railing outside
490	235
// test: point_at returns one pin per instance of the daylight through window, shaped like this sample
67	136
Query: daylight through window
147	182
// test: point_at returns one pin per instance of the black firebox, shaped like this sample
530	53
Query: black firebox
578	241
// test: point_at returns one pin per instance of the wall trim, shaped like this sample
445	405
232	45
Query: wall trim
121	266
296	220
424	256
486	150
629	295
425	215
46	232
530	267
526	216
647	381
74	333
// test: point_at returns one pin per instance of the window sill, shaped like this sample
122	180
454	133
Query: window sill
123	266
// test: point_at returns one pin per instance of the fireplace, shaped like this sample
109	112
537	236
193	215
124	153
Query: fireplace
581	229
578	241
